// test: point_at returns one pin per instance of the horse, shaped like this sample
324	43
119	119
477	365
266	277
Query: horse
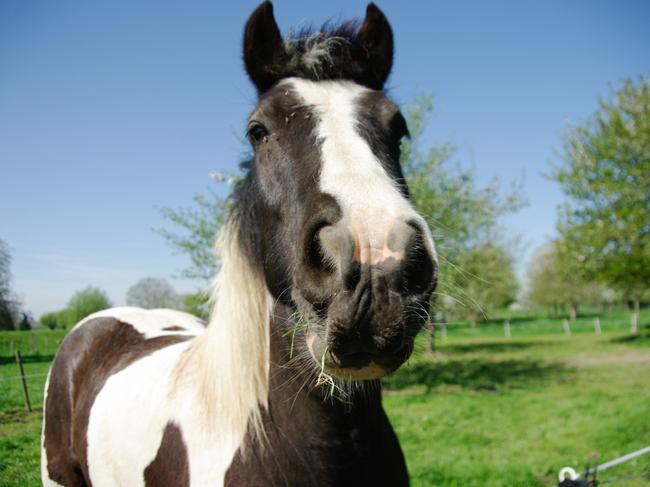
325	275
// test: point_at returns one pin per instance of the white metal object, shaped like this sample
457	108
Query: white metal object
573	475
568	472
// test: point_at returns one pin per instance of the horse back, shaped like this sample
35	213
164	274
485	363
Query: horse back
97	348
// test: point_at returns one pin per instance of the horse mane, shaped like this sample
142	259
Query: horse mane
228	366
322	53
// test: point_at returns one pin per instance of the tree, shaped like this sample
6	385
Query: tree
82	303
606	176
9	305
555	281
488	279
49	320
25	323
152	292
197	303
198	228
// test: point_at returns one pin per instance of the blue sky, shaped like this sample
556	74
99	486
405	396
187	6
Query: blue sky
109	110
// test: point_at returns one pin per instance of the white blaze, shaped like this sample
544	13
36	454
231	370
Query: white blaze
370	199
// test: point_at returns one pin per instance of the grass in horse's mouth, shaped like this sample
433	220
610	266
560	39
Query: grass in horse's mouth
333	390
324	379
301	324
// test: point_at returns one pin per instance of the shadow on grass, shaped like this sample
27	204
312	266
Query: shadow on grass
479	375
488	347
642	338
9	416
28	359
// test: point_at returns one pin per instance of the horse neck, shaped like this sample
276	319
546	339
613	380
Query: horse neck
313	440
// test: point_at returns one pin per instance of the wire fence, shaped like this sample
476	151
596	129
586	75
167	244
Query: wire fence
518	326
25	358
40	342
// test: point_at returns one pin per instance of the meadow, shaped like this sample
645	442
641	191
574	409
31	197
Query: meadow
483	410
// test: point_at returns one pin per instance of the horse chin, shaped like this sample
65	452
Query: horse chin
366	369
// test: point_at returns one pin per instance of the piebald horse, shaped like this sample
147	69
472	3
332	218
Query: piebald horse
326	271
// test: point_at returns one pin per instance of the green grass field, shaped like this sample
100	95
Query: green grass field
483	411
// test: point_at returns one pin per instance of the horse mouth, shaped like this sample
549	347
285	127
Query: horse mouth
352	366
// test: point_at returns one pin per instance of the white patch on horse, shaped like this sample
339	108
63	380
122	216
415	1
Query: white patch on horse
127	424
370	199
128	418
152	322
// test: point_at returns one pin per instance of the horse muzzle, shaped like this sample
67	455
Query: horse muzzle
371	299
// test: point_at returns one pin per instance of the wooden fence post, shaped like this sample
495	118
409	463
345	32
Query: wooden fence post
597	326
634	326
19	361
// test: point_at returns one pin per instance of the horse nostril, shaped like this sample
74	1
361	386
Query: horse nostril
337	246
351	274
317	256
419	269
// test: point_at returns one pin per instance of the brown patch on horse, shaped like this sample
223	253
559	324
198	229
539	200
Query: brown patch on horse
170	467
174	328
87	358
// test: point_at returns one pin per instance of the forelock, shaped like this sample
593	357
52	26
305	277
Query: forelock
323	54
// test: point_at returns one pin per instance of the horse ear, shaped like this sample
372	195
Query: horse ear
263	48
374	47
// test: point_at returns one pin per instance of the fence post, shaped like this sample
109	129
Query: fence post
443	331
633	324
506	328
567	328
597	326
19	361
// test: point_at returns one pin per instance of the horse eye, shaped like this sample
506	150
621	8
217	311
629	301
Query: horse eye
256	133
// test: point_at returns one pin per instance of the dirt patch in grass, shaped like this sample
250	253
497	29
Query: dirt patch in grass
627	357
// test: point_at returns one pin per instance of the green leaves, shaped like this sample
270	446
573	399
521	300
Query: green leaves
195	230
605	227
82	303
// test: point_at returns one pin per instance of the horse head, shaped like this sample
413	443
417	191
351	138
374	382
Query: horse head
324	207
